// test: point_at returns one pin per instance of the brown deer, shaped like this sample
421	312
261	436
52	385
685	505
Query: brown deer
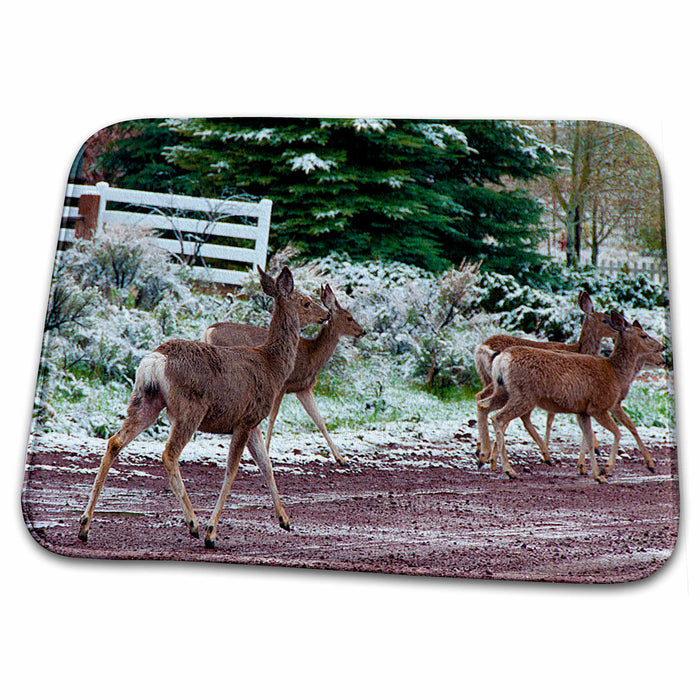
215	390
590	387
312	356
655	359
595	327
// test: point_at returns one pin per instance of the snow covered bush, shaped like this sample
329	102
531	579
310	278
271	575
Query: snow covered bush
126	266
113	300
68	303
611	291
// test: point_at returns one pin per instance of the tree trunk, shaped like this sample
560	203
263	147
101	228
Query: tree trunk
572	258
594	234
578	214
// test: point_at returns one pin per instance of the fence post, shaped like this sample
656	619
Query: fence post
264	232
88	210
103	190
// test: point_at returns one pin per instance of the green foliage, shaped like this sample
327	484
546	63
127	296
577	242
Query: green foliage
650	406
133	159
427	193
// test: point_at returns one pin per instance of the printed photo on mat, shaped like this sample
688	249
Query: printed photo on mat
403	346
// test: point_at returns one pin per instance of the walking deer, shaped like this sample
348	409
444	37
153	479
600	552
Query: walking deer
595	327
215	390
655	359
312	356
590	387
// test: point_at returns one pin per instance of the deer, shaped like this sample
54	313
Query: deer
215	390
595	327
312	356
652	360
587	386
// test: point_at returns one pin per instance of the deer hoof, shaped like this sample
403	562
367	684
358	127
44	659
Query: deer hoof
548	462
193	528
84	528
601	479
651	468
285	525
210	537
511	475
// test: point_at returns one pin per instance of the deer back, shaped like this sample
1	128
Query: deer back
311	354
556	381
232	386
232	334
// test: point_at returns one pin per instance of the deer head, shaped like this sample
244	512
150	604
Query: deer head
634	334
341	318
309	311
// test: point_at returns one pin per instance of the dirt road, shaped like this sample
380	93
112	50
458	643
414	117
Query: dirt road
423	510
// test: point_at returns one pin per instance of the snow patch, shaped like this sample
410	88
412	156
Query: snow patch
310	162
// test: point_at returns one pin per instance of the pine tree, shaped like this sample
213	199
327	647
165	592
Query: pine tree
425	192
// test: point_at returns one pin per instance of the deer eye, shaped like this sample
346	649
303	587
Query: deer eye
349	318
307	304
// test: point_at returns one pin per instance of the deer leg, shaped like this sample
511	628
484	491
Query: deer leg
492	402
238	443
536	437
581	462
548	428
587	438
271	418
604	419
500	422
181	433
260	455
141	414
619	413
482	421
309	403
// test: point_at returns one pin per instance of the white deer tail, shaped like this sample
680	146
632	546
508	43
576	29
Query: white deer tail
150	376
499	369
483	360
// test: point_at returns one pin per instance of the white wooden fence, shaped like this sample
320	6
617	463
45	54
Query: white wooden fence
652	270
181	232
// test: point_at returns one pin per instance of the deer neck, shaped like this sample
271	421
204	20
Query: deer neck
324	344
588	342
624	360
280	348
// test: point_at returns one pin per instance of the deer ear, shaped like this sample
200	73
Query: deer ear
584	301
328	298
285	282
617	321
637	324
266	282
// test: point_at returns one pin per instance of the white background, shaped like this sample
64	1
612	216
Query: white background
99	629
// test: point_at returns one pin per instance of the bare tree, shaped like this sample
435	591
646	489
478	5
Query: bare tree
608	186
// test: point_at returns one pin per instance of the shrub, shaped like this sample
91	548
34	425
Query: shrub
126	267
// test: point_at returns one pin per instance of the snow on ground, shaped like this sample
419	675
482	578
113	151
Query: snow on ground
292	450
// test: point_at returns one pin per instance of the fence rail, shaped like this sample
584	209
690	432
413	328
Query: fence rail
653	270
185	225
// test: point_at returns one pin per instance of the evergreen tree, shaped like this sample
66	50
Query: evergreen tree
133	158
424	192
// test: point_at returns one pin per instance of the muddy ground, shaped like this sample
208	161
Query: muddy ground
426	509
